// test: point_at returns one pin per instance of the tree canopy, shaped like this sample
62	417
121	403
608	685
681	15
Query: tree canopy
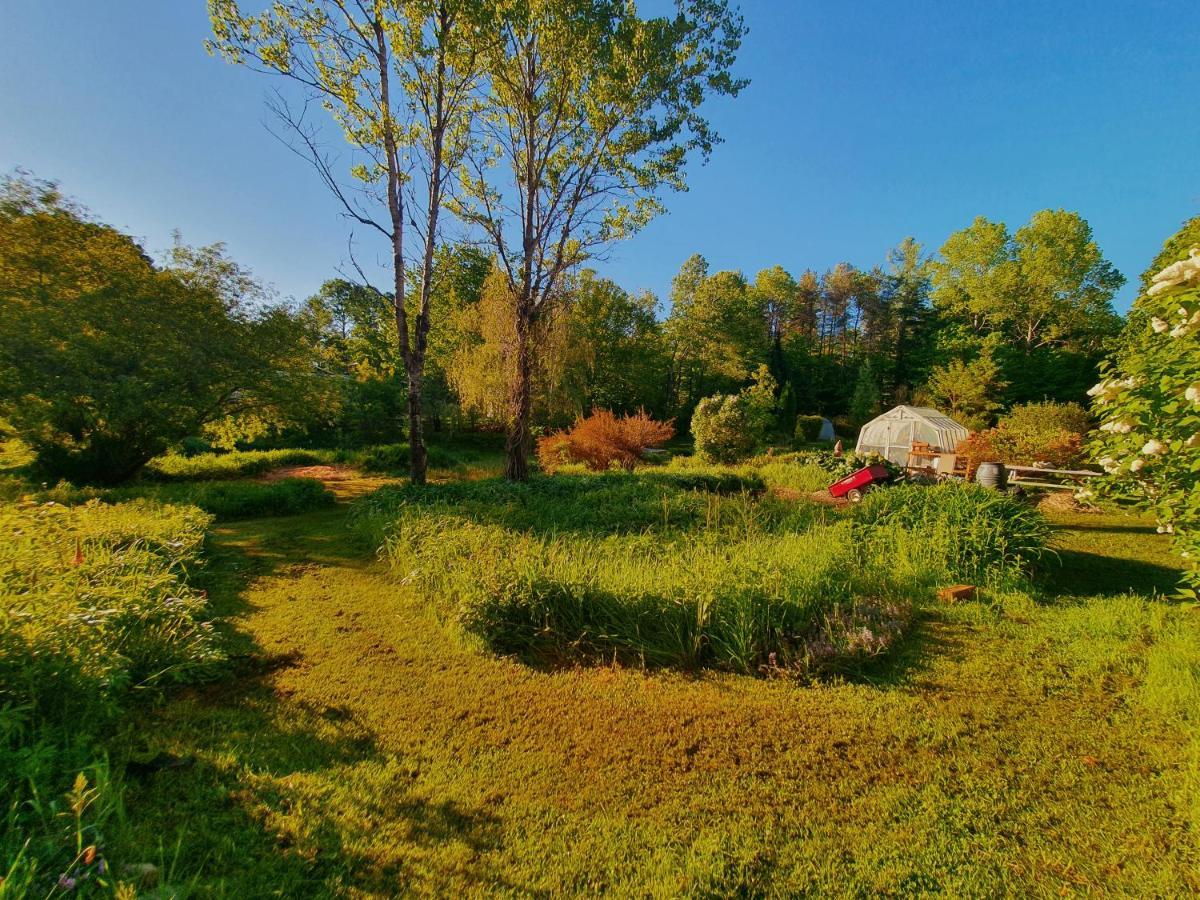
107	358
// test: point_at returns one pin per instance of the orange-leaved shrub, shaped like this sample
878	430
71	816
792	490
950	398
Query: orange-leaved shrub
603	440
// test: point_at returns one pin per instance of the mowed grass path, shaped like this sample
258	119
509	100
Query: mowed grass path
362	748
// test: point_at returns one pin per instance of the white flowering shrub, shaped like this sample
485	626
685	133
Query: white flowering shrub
1148	404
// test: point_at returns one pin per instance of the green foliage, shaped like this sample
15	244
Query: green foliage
808	429
95	608
1149	403
976	534
229	500
864	404
612	502
1046	431
1082	686
727	428
967	392
741	604
107	359
578	567
1046	285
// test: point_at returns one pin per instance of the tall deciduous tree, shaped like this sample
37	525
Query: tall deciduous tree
399	78
1047	285
591	112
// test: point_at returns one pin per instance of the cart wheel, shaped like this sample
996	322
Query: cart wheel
854	495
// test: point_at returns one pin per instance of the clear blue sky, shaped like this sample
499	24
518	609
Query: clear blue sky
864	122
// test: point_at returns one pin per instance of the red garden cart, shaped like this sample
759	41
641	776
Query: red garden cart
854	485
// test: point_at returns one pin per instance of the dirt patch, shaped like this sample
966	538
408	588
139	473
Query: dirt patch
321	473
344	482
1063	502
826	497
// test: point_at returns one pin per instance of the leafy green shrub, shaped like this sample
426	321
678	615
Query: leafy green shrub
808	429
1032	432
973	532
108	358
722	429
730	427
93	601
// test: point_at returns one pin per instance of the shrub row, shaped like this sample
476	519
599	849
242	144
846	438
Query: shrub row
242	463
224	500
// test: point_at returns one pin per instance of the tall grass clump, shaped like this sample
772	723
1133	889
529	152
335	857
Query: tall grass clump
970	532
94	602
94	607
734	590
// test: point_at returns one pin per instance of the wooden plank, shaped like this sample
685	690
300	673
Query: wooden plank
1073	473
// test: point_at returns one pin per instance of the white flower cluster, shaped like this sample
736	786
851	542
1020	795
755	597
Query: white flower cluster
1177	273
1108	390
1117	427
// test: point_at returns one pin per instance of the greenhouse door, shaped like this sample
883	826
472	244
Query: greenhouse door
899	442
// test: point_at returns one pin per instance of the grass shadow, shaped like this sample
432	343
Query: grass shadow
1079	573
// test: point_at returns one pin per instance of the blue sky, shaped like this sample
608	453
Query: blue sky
865	122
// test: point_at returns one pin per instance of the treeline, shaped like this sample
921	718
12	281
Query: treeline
111	357
994	319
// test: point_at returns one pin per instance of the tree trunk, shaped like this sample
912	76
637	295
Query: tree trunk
516	445
418	457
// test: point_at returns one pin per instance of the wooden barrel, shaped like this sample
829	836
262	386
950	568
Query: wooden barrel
992	475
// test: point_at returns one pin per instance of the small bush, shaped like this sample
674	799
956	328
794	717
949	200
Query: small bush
727	428
975	533
724	429
603	440
808	429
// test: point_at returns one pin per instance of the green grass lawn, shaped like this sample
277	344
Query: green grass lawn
1031	743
